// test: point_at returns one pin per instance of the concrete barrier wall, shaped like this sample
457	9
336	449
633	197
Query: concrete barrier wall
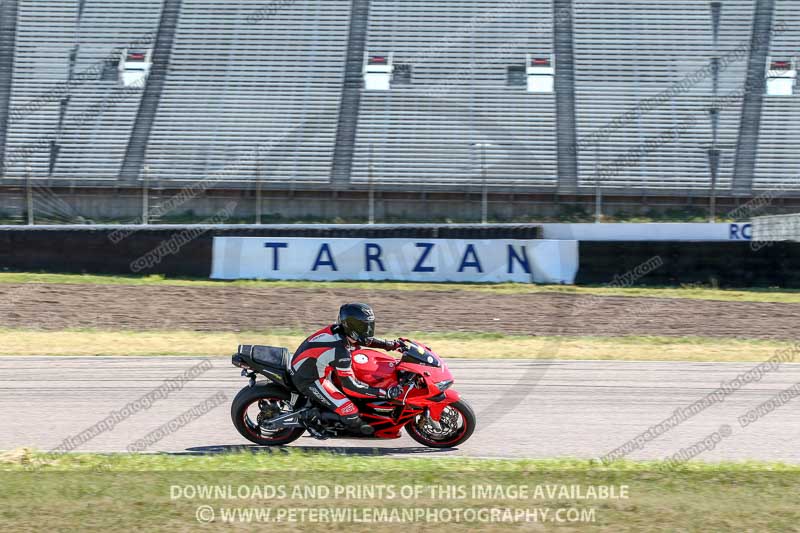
94	252
649	231
187	251
726	264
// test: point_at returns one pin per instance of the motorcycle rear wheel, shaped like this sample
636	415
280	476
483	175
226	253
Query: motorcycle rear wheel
421	431
242	411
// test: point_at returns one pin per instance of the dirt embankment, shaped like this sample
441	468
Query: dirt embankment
56	306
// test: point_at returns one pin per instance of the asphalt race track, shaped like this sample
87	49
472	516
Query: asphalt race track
533	409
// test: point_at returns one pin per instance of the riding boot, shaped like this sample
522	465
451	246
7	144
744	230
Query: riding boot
356	424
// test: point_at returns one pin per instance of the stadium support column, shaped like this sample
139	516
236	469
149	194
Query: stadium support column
8	34
566	135
750	123
351	95
162	50
713	111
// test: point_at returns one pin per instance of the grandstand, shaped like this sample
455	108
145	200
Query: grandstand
252	97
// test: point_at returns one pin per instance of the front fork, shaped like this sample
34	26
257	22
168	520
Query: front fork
434	410
435	423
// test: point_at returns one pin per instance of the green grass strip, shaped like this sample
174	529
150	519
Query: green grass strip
696	292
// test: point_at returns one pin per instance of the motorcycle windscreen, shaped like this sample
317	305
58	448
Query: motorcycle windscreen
420	355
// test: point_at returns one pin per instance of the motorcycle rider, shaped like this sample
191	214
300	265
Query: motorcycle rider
328	351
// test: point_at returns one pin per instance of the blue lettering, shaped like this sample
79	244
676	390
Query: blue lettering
428	246
747	231
734	228
373	253
475	263
324	249
523	261
275	247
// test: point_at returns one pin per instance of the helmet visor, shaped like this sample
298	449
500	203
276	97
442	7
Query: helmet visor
359	331
363	331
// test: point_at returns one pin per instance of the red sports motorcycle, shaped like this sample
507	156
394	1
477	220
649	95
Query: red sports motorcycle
273	412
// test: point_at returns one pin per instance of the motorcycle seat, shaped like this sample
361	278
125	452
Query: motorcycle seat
274	356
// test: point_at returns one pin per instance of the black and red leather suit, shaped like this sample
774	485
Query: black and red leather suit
320	356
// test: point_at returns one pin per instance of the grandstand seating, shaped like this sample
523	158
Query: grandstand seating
246	90
242	76
632	50
433	129
85	136
237	79
777	162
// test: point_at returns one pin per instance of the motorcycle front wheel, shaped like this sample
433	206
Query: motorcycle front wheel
455	426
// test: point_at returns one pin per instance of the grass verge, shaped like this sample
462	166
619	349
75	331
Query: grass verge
297	491
448	345
769	295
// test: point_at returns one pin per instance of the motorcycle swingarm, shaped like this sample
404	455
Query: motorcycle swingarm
288	420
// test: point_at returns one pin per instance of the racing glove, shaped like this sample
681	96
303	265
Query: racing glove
399	344
396	345
384	344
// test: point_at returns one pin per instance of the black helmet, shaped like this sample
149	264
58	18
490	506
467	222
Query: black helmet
357	322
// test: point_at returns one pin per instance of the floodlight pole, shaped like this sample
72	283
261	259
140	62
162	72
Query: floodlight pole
29	192
598	203
485	183
714	111
598	192
371	187
146	196
258	188
485	194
